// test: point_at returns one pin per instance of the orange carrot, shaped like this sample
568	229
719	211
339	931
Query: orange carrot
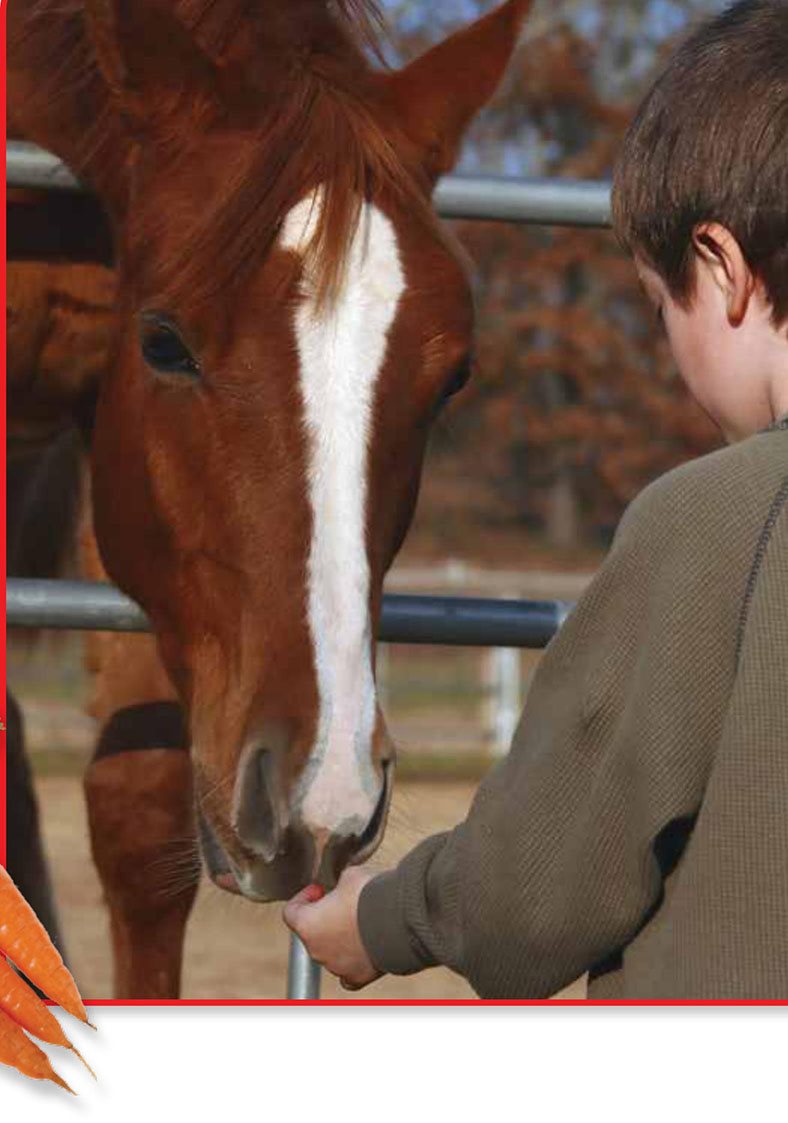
24	940
25	1008
18	1051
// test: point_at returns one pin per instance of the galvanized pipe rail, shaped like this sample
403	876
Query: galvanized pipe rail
454	621
497	198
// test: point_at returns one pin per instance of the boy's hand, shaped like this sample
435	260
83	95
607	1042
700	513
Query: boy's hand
328	928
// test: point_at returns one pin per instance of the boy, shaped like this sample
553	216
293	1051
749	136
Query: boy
638	829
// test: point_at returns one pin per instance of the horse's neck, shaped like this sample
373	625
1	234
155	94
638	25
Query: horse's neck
55	97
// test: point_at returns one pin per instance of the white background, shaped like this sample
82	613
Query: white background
414	1064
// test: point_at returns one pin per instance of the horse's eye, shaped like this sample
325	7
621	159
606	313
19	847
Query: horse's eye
164	350
459	379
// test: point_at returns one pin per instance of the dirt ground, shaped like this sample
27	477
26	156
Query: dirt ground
234	949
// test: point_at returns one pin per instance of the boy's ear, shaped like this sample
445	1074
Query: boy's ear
150	63
717	250
437	96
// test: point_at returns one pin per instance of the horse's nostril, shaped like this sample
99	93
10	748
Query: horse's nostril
258	819
331	858
335	851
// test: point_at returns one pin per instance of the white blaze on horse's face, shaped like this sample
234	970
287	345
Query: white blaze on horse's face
342	351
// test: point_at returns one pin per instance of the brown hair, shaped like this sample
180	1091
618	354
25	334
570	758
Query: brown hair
710	143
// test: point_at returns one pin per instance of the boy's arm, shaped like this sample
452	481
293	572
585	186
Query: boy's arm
558	864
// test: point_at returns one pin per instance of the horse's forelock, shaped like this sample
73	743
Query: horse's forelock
325	128
311	118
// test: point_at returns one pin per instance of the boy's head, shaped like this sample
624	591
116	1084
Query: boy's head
700	198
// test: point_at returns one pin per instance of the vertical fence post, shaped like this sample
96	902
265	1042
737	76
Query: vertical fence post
503	696
303	974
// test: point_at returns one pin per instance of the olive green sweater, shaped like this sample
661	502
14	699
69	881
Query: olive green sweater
638	828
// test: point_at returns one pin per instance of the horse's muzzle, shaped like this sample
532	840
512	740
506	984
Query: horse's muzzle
299	857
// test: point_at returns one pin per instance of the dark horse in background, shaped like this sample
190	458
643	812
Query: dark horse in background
58	327
288	320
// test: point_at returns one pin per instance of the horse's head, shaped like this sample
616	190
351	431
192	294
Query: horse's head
292	321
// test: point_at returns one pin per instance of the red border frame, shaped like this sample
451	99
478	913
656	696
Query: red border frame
471	1002
2	501
265	1002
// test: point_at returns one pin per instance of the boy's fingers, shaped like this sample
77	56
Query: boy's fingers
290	915
293	913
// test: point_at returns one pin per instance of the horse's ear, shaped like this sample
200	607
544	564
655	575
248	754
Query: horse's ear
151	64
437	96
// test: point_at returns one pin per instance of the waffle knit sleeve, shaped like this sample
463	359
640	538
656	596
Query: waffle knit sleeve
559	864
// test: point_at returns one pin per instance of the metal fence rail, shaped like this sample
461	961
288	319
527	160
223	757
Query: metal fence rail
549	202
546	201
455	621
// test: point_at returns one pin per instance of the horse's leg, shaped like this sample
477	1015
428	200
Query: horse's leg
139	797
25	859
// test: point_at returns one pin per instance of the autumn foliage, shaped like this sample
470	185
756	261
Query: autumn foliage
576	405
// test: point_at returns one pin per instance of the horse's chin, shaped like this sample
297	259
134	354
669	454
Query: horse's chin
260	880
257	880
264	881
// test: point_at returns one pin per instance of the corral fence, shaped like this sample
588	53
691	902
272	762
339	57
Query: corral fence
466	621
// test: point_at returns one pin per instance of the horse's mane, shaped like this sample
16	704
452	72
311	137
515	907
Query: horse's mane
317	119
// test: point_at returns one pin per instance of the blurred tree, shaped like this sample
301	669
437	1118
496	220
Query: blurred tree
576	405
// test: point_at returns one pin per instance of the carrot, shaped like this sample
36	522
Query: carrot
18	1051
24	940
25	1008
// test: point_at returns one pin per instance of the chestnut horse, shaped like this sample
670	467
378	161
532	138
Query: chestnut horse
290	319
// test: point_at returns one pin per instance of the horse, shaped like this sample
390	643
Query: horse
289	320
58	319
